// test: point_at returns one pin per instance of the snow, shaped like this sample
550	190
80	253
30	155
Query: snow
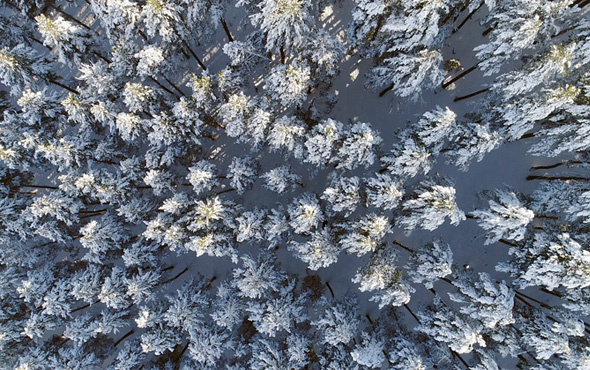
315	159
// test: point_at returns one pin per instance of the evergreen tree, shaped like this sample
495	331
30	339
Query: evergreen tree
506	219
430	263
446	326
489	303
408	74
429	207
383	276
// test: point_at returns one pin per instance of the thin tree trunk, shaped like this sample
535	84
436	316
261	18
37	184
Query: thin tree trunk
459	98
330	289
412	313
226	29
386	90
123	337
190	50
283	57
38	186
467	18
526	136
210	283
92	215
555	165
486	32
403	246
225	191
163	87
554	178
107	60
542	304
93	211
557	294
459	76
51	80
174	86
70	17
80	308
455	354
176	277
503	241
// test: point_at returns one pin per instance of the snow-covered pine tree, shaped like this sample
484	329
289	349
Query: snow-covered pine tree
506	218
429	206
383	277
430	263
446	326
488	302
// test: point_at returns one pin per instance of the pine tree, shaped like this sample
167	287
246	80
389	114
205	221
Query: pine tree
358	147
242	173
516	25
288	84
321	141
385	278
489	303
202	176
21	67
343	195
364	235
471	141
305	214
445	325
408	74
506	219
258	277
280	179
435	126
429	207
550	261
68	41
430	263
338	322
319	251
284	23
286	134
407	158
383	191
369	352
276	314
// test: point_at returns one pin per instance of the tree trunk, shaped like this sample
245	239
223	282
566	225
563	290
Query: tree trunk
455	354
226	29
190	50
51	80
459	76
71	18
163	87
330	289
553	178
467	18
123	337
38	186
386	90
174	86
459	98
403	246
175	277
412	313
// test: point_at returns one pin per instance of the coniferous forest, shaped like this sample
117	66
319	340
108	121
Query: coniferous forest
294	184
